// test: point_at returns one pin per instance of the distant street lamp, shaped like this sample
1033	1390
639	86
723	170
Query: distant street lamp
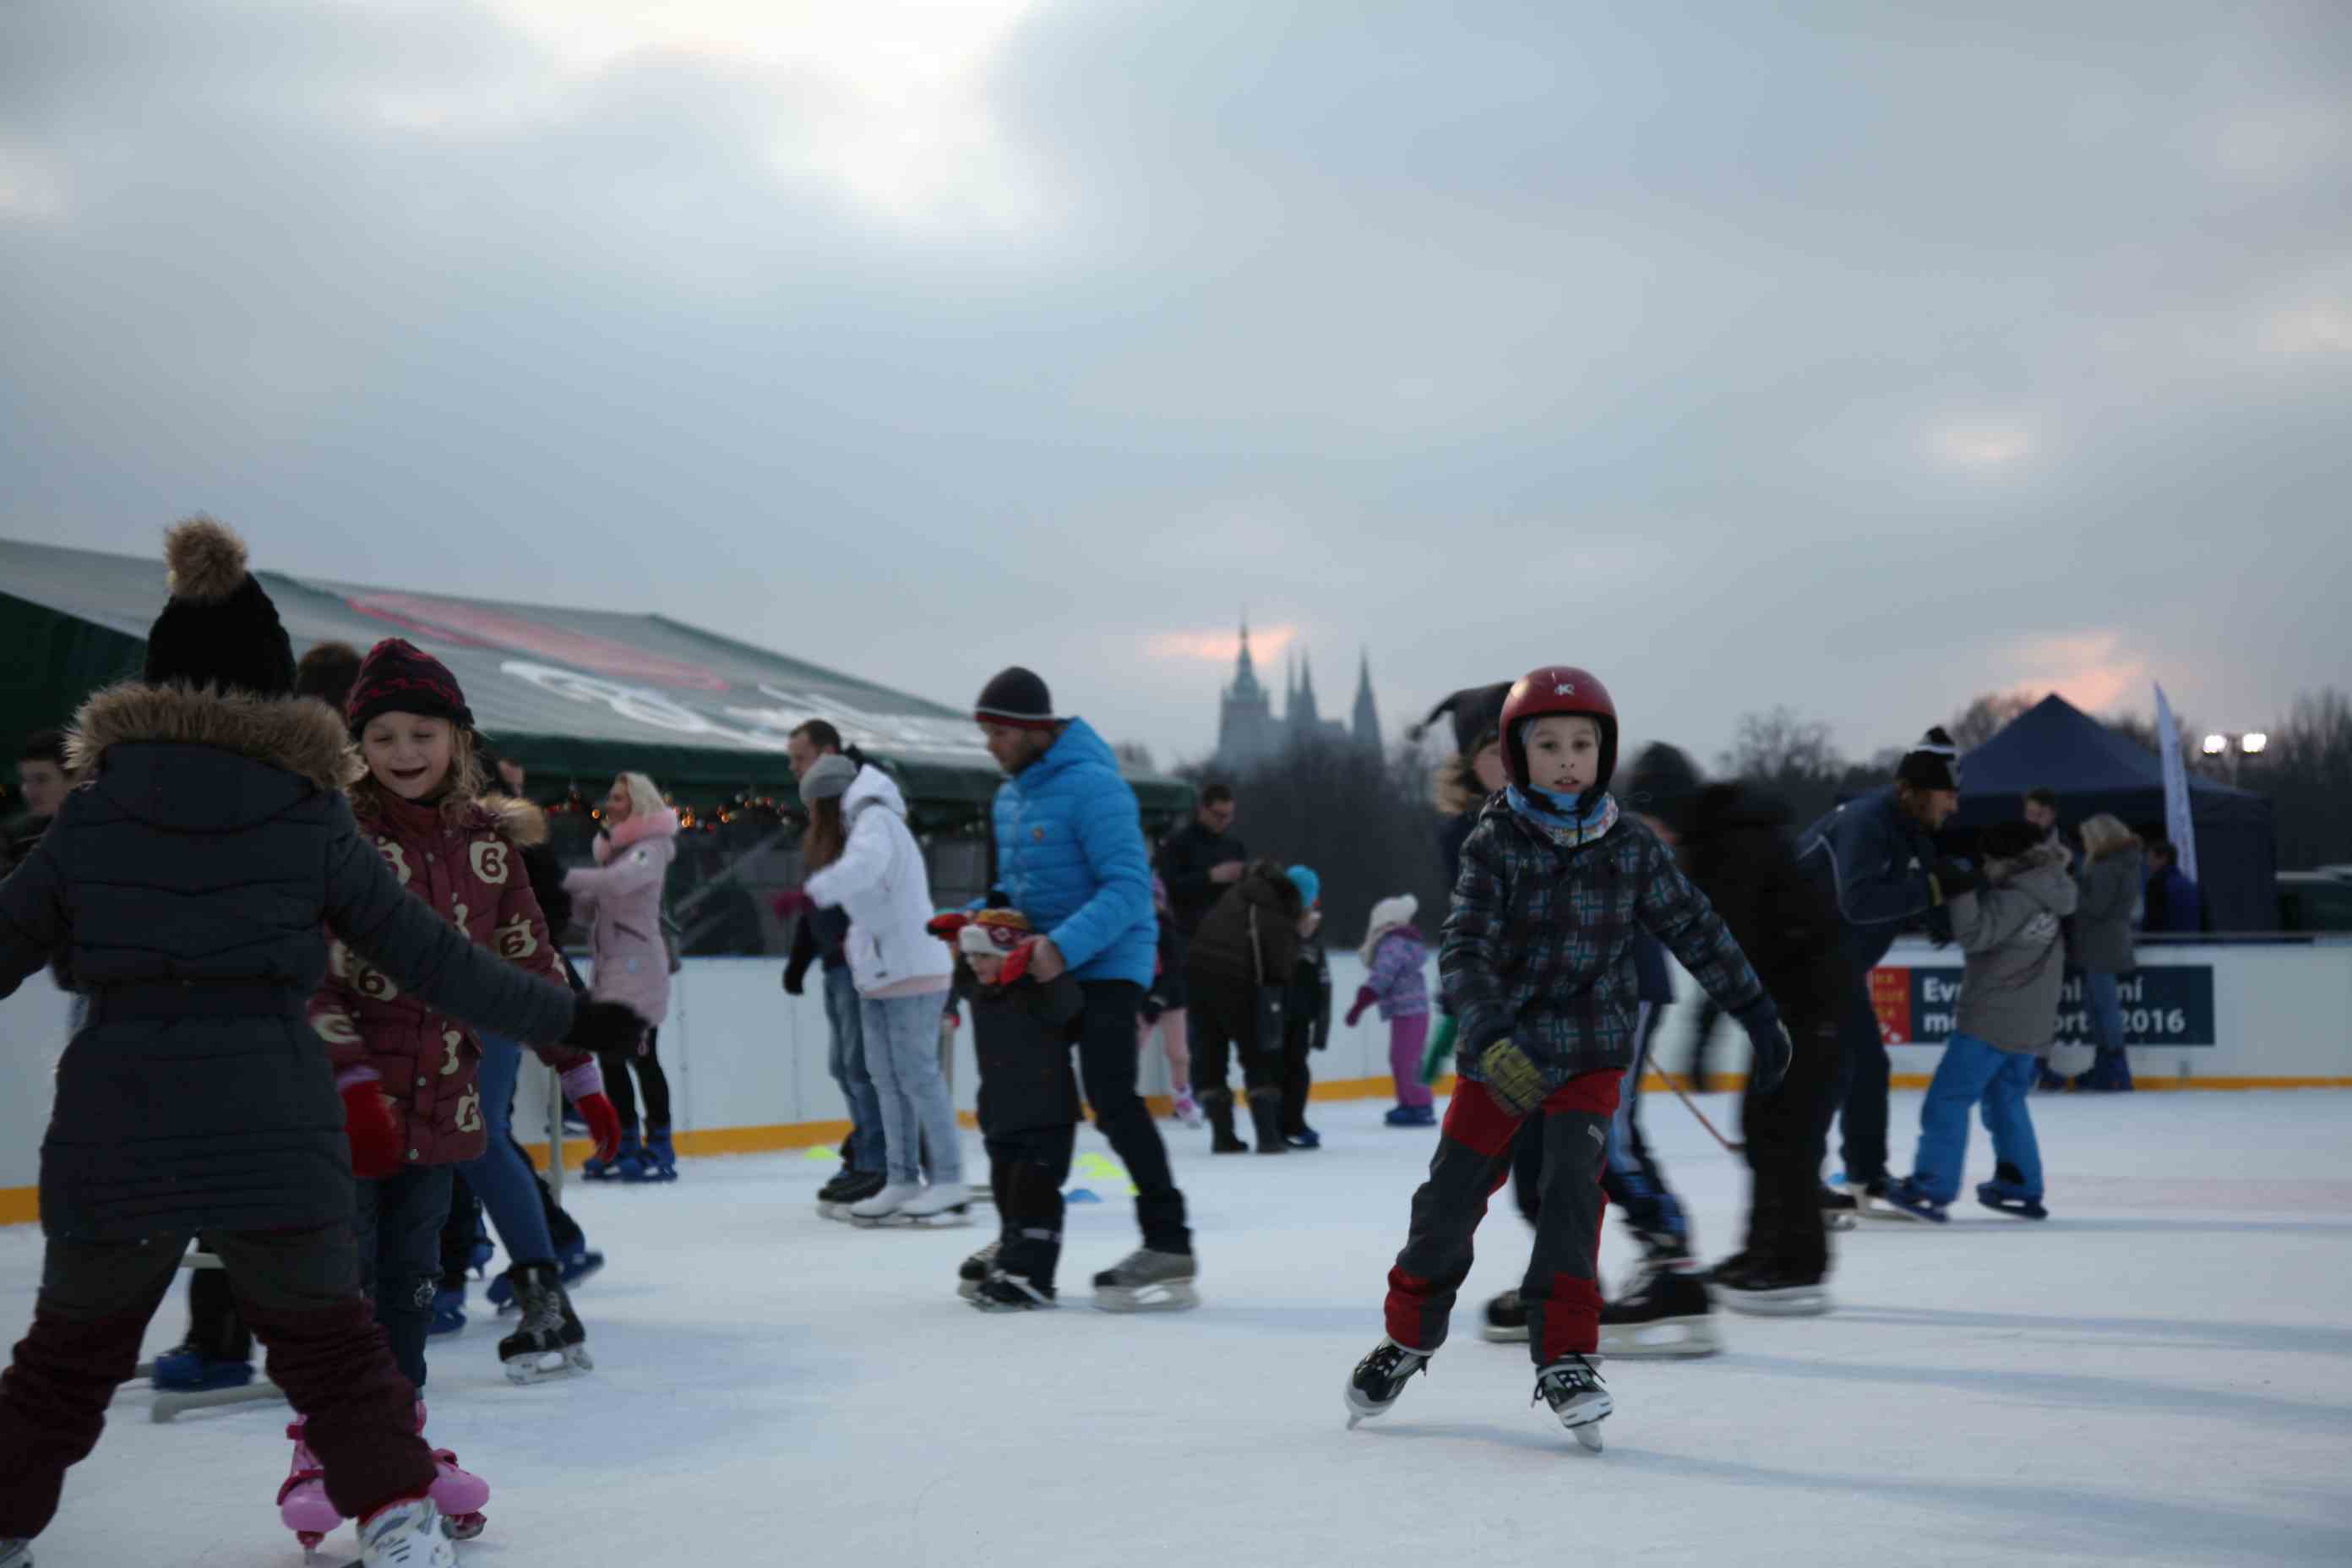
2253	742
2233	749
2216	745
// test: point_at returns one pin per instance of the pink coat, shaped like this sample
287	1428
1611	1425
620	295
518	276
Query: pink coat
621	900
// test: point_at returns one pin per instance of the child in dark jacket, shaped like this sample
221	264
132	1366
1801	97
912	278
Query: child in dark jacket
1536	957
1028	1105
1305	1013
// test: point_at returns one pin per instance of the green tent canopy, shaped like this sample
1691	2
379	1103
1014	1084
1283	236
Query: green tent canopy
573	695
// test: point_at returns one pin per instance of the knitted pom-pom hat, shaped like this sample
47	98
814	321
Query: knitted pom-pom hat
220	628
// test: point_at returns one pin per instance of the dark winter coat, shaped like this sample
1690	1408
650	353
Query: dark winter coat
194	875
1186	857
1873	861
1737	849
1306	1008
1539	944
2174	905
18	836
468	870
1021	1038
1265	902
2103	912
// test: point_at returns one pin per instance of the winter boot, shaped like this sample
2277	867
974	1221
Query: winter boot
1506	1319
657	1162
622	1161
407	1535
1217	1105
1148	1282
1666	1314
458	1495
1573	1391
1266	1119
1379	1378
548	1341
976	1269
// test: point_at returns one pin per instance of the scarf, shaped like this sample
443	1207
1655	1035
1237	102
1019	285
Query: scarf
1558	817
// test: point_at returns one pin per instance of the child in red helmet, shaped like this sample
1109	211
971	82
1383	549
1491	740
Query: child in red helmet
1535	958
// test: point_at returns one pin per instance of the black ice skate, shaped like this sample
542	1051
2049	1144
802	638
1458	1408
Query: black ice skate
1506	1319
1148	1281
1003	1293
549	1341
835	1198
976	1269
1770	1290
1379	1378
1666	1314
1573	1391
1840	1210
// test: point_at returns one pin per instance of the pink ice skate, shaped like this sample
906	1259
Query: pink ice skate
460	1495
303	1503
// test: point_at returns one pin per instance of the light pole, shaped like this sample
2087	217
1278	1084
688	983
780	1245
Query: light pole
2235	749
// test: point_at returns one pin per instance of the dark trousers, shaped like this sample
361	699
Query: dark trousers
1225	1027
216	1329
1025	1172
461	1233
623	1095
1298	1080
1783	1151
1562	1287
1104	1033
1861	1089
397	1222
298	1289
1702	1049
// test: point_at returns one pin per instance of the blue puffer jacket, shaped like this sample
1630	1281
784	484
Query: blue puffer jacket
1070	855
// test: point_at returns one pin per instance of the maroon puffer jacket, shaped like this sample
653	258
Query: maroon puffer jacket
468	869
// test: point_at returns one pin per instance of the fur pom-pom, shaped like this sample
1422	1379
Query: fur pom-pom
207	559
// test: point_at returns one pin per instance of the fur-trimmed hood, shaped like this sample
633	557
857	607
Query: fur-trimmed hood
299	735
662	824
520	822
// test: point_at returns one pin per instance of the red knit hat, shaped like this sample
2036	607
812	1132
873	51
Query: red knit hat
397	677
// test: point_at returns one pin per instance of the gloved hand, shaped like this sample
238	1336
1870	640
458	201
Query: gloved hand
791	902
1512	1078
1364	998
601	1027
1954	877
1770	1039
368	1123
795	979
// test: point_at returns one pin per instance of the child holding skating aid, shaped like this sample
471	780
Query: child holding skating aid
1028	1103
1394	955
1536	957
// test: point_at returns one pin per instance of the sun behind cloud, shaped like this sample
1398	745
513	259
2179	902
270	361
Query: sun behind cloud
1219	647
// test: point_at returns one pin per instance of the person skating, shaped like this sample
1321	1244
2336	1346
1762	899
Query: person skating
620	897
1463	783
1549	1029
1237	968
420	803
197	1098
1028	1105
2007	923
1395	957
1305	1013
1733	844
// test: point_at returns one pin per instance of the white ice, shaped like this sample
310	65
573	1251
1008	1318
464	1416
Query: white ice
2161	1373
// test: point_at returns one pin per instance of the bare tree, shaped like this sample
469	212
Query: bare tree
1987	716
1791	759
2307	770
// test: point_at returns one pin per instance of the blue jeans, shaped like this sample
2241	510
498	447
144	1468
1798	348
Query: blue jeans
1974	1072
843	1018
902	1052
2111	1068
499	1175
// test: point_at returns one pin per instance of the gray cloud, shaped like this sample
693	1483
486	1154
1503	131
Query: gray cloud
1854	361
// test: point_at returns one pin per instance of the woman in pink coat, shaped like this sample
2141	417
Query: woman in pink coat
621	900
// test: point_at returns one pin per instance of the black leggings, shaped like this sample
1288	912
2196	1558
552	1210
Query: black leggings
648	1068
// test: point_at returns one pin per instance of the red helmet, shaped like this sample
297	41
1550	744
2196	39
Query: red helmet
1558	688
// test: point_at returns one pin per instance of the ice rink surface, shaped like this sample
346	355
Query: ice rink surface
2160	1374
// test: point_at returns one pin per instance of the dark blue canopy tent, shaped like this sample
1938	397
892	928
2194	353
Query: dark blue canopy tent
2094	769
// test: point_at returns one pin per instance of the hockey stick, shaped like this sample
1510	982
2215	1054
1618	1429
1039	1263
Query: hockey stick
1692	1106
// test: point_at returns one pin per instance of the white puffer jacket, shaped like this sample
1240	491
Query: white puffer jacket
880	882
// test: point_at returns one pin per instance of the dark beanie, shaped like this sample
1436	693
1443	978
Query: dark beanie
398	676
1664	785
220	629
1477	713
1018	697
1933	764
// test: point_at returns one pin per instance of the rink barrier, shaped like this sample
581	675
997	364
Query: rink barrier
747	1063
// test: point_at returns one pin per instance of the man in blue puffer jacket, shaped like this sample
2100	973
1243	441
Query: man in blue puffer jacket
1070	855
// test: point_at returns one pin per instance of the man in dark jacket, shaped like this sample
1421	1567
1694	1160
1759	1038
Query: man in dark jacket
1735	846
1235	972
194	875
2173	907
1876	857
1200	860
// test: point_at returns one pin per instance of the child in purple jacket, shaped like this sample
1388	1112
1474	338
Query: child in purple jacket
1395	957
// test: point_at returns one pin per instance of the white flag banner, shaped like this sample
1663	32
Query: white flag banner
2178	825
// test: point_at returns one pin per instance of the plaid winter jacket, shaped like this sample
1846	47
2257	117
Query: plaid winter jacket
1538	945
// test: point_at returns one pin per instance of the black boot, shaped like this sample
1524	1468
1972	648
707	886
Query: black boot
1266	1116
1217	1105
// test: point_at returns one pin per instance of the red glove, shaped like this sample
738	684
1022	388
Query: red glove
948	927
791	901
375	1138
604	1124
1365	997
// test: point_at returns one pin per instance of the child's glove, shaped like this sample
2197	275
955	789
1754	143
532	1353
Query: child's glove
1512	1078
367	1122
1770	1040
1364	998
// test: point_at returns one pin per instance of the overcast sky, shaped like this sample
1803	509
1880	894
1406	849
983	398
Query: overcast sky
1854	358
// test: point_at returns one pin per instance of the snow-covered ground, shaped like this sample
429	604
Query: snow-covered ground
2162	1374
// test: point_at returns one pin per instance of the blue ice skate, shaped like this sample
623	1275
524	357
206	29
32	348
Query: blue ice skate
1411	1116
1911	1201
2010	1198
186	1371
448	1312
